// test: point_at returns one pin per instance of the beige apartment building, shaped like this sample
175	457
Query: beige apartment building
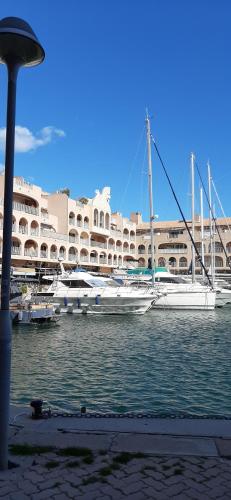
48	227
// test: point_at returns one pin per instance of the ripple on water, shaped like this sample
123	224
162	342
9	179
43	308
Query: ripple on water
164	361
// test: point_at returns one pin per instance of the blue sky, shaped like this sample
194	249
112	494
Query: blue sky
81	113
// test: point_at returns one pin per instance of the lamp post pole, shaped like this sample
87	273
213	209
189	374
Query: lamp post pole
18	47
5	320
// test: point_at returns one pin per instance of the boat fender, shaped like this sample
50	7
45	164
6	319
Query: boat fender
78	302
97	300
65	301
20	315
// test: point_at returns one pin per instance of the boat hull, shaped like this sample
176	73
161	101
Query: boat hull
204	301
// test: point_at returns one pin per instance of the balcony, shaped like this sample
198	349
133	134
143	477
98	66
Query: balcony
43	254
172	250
53	255
29	209
72	257
99	244
103	261
94	260
53	235
84	242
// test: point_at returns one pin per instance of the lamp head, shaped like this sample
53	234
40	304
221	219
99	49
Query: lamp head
18	43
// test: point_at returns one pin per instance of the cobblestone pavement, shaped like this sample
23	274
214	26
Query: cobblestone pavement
83	474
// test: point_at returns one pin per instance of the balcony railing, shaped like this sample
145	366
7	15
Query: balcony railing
72	257
23	229
172	250
53	255
29	209
98	244
30	252
34	232
73	239
16	250
93	259
103	261
43	254
54	235
84	242
84	258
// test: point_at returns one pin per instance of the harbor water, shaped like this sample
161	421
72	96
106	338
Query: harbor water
165	362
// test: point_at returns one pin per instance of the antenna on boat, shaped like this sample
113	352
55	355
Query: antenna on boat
147	121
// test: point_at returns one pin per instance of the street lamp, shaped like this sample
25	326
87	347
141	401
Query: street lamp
18	47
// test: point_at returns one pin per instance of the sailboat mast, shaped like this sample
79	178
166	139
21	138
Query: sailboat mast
147	121
193	212
202	230
211	224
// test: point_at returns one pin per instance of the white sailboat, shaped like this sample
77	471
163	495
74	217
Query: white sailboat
177	295
223	295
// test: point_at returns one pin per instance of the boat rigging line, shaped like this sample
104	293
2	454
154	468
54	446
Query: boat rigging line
181	212
213	217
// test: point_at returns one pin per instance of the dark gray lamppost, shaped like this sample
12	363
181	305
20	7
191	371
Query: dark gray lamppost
18	47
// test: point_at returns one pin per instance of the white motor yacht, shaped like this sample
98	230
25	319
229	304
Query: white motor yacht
79	291
176	292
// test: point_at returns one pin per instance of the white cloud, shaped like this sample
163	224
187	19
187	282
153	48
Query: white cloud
26	141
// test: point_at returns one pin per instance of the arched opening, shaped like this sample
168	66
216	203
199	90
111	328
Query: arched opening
84	238
161	262
125	233
73	254
150	249
1	221
218	261
132	248
172	262
141	249
218	248
102	258
125	247
73	236
96	217
31	248
44	251
120	260
141	262
14	226
53	252
111	244
83	255
101	219
79	220
23	226
228	247
15	246
86	222
109	259
119	246
183	262
132	235
71	218
62	252
107	221
115	260
94	257
34	228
